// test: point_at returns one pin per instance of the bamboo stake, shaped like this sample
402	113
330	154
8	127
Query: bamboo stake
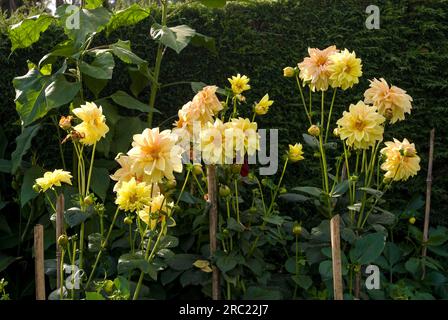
213	214
59	232
336	257
39	261
428	198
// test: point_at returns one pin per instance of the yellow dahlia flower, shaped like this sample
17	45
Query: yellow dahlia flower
401	161
314	69
53	179
132	195
361	126
241	137
262	107
239	83
212	142
125	172
345	69
155	155
392	102
157	211
93	126
295	152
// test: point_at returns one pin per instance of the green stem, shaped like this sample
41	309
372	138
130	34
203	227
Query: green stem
329	115
158	63
81	246
90	169
61	152
103	246
303	100
236	201
61	270
73	264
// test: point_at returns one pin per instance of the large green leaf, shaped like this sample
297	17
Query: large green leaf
129	16
26	192
102	66
182	261
258	293
27	32
226	262
368	248
37	94
122	49
200	40
6	261
125	100
92	4
23	142
100	182
213	3
129	262
124	130
79	23
75	216
176	38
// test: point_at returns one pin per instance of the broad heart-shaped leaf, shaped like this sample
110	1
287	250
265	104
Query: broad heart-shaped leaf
200	40
125	100
140	78
213	3
80	23
37	94
23	142
102	66
310	140
26	192
5	261
100	182
368	248
127	17
94	243
182	261
27	32
176	38
94	85
129	262
226	262
75	216
122	49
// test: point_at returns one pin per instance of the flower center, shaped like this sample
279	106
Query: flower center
359	124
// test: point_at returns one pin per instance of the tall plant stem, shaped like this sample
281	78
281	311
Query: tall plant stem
303	100
329	115
90	169
158	63
103	246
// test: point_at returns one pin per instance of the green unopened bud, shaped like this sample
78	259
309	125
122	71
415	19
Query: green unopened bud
88	201
316	154
197	169
336	132
297	229
225	232
253	210
412	220
63	240
128	220
283	190
353	178
108	286
357	268
170	184
289	72
235	168
314	130
36	188
224	191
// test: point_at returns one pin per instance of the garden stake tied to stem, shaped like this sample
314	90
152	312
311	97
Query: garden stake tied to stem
59	232
39	261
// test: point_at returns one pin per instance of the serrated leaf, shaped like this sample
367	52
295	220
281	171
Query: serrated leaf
176	38
127	17
122	49
102	66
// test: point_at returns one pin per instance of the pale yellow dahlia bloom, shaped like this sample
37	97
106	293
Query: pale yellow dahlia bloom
155	155
132	195
361	127
193	112
93	126
262	107
345	69
401	161
392	102
212	142
295	152
239	83
156	211
207	99
241	137
53	179
314	69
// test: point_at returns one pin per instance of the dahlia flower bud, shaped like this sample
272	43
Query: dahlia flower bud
297	229
314	130
336	132
128	220
409	151
224	191
63	240
289	72
65	122
412	220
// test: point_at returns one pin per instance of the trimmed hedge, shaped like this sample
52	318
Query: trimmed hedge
409	50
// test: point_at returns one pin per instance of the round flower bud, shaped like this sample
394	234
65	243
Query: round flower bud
316	154
197	169
283	190
235	168
65	122
63	240
171	184
128	220
88	200
314	130
253	210
36	188
353	178
289	72
225	231
109	287
224	191
412	220
409	152
297	229
357	268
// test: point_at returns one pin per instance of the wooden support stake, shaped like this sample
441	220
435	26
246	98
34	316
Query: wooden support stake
428	197
59	232
39	273
336	257
213	214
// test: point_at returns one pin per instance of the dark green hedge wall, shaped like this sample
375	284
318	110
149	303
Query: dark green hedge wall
409	50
